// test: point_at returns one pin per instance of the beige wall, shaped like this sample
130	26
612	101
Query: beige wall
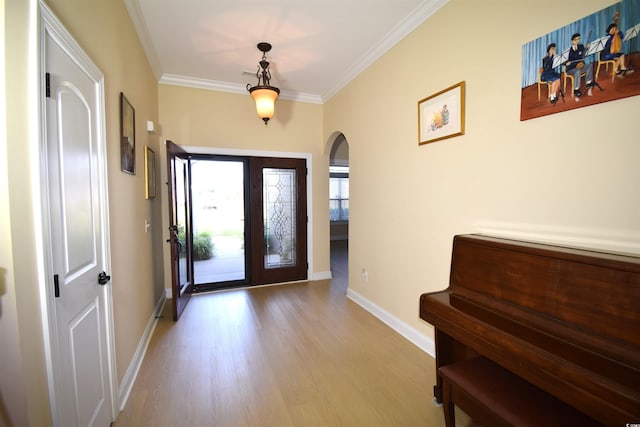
104	31
25	366
570	177
204	118
15	385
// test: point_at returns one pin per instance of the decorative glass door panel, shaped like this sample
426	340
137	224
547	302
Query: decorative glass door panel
279	210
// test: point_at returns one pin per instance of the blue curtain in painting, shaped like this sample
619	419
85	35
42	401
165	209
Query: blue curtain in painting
595	24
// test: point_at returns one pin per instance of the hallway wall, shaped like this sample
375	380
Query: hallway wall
103	29
569	177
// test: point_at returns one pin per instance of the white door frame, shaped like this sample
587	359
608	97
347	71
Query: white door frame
294	155
49	24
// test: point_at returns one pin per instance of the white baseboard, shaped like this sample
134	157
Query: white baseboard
422	341
321	275
136	362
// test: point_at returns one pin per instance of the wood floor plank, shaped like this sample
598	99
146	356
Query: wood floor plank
292	355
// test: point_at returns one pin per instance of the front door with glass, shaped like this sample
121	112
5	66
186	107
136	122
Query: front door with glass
279	219
240	221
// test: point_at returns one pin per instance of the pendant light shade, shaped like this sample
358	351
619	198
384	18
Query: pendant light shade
263	93
265	99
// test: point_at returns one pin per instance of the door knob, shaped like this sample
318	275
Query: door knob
103	278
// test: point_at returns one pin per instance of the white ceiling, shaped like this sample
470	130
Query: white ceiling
318	45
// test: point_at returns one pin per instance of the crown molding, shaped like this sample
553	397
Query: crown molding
198	83
420	14
133	7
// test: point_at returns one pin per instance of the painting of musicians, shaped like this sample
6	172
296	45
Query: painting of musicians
593	60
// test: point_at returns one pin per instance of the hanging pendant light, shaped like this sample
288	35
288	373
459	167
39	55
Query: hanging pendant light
263	93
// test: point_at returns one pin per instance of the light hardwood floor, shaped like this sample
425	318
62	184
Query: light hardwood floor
291	355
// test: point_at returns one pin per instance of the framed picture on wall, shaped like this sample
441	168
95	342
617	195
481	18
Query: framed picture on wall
127	136
585	62
149	173
441	115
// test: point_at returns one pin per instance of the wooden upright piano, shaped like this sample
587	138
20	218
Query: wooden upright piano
565	320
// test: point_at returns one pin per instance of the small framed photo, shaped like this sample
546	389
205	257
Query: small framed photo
441	115
127	136
149	173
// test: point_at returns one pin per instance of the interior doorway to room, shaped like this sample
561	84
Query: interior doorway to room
247	221
339	210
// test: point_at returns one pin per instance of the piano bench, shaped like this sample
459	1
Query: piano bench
493	396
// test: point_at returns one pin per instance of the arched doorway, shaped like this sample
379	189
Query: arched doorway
339	211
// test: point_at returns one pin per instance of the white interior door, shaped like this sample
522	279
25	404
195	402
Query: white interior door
76	221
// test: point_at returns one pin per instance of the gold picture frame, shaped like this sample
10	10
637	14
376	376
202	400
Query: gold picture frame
149	173
441	115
